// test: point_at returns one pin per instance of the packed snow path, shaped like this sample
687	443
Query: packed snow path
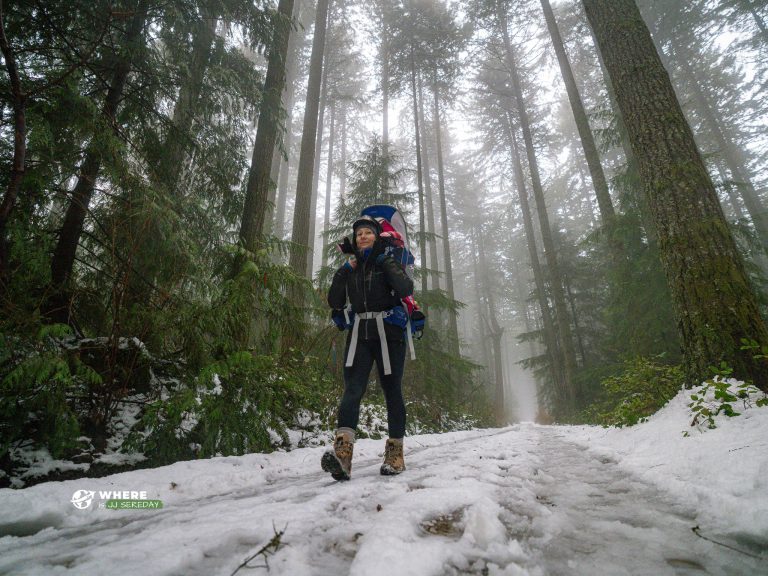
522	500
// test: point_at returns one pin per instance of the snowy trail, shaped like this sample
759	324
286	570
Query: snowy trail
523	500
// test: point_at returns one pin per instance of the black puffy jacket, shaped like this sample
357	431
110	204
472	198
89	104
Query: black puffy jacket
376	284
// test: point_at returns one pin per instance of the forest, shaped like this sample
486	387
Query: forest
585	185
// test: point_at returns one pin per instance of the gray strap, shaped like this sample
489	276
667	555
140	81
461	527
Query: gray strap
384	347
409	336
379	316
353	342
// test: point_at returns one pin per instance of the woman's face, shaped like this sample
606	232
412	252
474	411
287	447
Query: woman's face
364	237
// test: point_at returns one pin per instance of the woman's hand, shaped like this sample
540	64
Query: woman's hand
351	262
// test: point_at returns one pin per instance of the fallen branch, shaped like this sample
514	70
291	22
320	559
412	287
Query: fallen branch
269	548
696	530
742	447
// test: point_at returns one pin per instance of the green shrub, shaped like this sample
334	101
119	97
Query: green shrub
719	395
38	388
241	404
633	395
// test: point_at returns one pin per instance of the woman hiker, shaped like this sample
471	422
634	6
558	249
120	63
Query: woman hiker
374	283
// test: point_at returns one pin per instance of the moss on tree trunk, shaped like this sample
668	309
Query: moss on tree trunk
714	303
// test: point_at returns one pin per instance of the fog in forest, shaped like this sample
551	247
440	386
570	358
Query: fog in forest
586	209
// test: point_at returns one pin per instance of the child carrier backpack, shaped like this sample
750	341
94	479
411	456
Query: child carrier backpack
394	237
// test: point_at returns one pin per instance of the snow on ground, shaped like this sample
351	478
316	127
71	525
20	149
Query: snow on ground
522	500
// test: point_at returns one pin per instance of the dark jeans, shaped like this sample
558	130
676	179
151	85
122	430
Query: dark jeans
356	381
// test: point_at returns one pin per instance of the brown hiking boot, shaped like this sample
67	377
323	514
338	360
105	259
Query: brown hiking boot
394	463
339	460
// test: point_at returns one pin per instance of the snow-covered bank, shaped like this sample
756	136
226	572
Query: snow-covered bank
525	499
722	472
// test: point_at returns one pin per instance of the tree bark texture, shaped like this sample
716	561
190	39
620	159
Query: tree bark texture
259	182
591	154
712	297
300	236
562	320
57	307
632	173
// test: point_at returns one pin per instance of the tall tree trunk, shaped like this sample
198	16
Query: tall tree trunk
316	173
759	22
433	264
561	311
178	140
496	333
554	352
385	91
274	176
454	329
419	177
57	306
328	183
482	321
343	173
591	154
143	265
714	303
301	216
632	172
586	198
294	47
733	198
259	183
282	183
19	104
576	328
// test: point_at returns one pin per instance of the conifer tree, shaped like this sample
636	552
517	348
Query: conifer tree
562	320
301	218
257	192
582	123
714	302
57	306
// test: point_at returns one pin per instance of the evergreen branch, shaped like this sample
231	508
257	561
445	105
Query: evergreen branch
65	38
122	261
10	61
19	146
77	64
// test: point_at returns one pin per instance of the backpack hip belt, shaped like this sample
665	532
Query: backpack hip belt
379	317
